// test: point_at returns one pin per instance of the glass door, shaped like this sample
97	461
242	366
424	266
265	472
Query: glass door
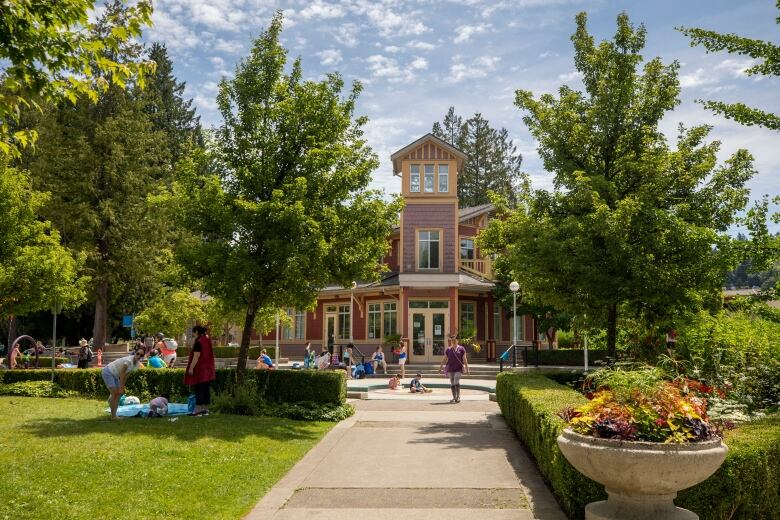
439	336
330	330
428	335
418	334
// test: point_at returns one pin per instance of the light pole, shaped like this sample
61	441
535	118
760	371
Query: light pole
514	287
276	350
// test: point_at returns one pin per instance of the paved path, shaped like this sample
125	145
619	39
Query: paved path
425	460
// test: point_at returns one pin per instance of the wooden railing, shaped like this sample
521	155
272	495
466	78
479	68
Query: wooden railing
482	267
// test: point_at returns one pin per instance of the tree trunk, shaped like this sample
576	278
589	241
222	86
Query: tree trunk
550	333
101	315
243	350
612	330
11	331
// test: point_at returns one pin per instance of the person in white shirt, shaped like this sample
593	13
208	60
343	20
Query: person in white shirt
115	375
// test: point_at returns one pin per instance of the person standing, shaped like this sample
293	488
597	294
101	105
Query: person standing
13	355
455	364
201	370
348	360
306	354
402	356
115	376
85	354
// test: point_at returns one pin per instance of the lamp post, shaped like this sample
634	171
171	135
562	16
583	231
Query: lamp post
276	349
514	287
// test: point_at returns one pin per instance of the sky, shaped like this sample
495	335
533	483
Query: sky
415	59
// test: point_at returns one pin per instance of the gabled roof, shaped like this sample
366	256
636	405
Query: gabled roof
473	211
400	154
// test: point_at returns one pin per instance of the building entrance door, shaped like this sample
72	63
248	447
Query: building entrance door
428	333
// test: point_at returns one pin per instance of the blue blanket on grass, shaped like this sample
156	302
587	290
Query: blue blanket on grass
142	410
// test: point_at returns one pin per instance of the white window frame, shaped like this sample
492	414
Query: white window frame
444	175
374	321
429	171
472	248
428	240
414	178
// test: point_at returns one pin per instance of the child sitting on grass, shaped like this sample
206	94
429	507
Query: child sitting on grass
416	386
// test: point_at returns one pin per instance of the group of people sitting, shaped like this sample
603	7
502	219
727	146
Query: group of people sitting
415	385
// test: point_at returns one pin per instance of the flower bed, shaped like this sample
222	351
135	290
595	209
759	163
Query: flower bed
747	485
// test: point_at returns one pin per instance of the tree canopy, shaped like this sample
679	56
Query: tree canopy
36	271
50	51
493	164
766	51
278	204
631	226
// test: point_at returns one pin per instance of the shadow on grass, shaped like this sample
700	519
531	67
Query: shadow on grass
228	428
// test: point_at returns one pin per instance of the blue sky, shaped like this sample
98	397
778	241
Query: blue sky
416	59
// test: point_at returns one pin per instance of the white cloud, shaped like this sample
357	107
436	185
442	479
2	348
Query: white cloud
570	76
217	61
176	34
347	34
478	68
392	48
324	10
229	46
465	32
389	22
330	57
419	63
735	67
423	46
697	78
548	54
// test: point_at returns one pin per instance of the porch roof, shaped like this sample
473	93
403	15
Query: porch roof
390	279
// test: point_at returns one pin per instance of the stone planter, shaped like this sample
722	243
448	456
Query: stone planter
641	478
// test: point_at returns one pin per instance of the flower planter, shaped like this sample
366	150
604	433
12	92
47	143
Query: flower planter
641	478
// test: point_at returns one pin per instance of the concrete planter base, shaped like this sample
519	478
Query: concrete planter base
641	478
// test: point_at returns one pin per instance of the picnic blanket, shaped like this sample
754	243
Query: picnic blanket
142	410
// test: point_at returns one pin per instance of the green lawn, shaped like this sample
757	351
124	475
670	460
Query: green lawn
63	458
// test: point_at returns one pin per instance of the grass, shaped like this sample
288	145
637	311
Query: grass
63	458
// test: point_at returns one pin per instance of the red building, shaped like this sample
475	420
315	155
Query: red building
438	282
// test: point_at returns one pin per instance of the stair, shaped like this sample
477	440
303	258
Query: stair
476	371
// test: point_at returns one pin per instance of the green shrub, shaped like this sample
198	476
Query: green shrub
43	361
566	357
231	352
307	411
747	485
321	387
529	403
35	389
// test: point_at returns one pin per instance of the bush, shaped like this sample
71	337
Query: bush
292	386
43	361
230	352
35	389
529	403
246	400
747	485
566	357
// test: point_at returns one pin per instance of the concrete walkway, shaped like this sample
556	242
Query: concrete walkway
426	460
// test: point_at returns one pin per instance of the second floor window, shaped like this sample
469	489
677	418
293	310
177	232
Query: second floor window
466	249
428	250
429	178
444	178
414	181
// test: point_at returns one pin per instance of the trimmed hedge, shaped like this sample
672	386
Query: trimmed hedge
285	386
529	403
43	361
566	357
230	352
747	485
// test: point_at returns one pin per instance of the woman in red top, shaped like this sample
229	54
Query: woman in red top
200	370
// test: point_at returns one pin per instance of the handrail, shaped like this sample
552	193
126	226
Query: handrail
513	355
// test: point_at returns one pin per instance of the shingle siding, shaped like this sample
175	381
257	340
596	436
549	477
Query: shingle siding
429	216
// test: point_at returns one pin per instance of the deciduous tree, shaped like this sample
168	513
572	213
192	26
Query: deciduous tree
632	226
279	207
50	52
766	51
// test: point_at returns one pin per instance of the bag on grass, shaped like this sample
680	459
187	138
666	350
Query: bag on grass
369	368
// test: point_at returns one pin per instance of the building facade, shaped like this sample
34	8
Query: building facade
438	282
